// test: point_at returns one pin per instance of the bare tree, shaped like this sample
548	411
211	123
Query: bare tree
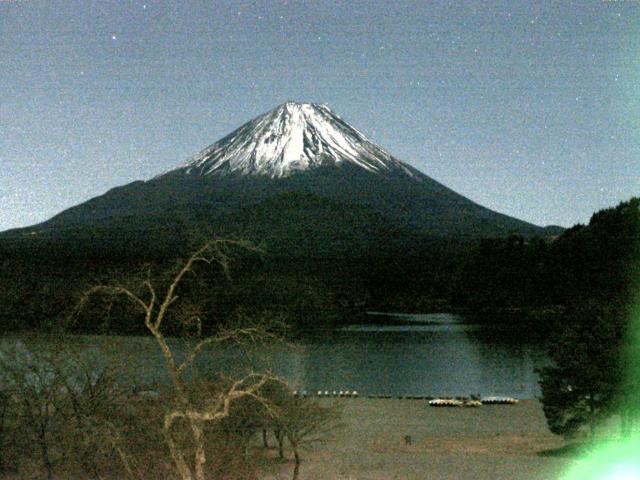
32	382
155	306
93	402
62	408
306	422
302	421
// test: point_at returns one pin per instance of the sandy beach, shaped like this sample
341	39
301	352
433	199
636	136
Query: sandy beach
488	442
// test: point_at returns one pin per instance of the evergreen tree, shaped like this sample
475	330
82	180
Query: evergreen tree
581	386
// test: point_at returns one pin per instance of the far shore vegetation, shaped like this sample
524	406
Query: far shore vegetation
533	281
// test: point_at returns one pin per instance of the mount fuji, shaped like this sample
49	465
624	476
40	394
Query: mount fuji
299	178
291	138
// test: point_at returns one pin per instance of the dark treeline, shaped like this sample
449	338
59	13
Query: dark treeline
41	281
594	350
595	264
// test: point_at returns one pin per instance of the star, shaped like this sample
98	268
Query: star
113	37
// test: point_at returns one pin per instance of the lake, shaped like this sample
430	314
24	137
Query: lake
431	355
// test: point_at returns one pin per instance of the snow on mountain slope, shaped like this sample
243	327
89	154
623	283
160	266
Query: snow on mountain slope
292	137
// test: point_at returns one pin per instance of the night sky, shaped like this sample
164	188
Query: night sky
529	108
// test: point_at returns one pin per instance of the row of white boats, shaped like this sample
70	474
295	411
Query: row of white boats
465	402
328	393
434	402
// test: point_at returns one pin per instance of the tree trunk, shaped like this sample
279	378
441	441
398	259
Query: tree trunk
44	449
96	475
280	438
176	454
45	460
296	467
265	444
200	457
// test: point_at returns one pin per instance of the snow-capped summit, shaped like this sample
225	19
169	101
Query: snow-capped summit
290	138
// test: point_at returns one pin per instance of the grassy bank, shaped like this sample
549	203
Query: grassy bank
497	442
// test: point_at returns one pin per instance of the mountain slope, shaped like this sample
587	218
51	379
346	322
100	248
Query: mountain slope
356	195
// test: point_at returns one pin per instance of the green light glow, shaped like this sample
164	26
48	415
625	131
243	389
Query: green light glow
617	459
623	472
613	461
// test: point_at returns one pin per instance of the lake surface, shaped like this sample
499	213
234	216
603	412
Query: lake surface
432	355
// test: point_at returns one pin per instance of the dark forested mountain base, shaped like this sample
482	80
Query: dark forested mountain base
314	286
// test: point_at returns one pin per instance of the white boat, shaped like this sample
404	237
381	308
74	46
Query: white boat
499	400
445	402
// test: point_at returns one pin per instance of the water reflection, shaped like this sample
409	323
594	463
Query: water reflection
436	355
433	355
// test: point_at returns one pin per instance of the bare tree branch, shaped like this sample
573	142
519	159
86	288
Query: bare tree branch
115	290
215	251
